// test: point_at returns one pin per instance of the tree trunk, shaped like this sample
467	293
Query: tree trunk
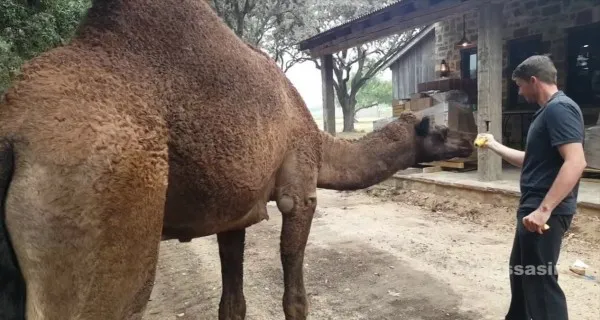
348	121
348	104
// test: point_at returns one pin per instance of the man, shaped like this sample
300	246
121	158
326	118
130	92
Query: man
552	164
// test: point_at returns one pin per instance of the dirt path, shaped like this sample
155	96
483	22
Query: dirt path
371	258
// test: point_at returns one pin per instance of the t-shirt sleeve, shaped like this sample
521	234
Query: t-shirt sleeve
564	124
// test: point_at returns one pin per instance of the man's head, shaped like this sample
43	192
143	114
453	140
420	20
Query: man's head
535	77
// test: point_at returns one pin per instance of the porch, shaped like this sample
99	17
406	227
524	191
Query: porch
496	36
501	192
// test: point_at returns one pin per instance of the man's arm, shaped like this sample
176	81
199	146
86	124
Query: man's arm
513	156
565	128
568	176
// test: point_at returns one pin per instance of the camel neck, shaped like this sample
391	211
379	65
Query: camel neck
353	165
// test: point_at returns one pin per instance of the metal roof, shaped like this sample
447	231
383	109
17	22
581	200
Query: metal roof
393	18
349	22
372	12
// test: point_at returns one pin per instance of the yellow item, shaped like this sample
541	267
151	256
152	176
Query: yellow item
480	141
546	227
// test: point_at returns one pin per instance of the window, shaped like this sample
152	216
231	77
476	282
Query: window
519	50
468	63
583	65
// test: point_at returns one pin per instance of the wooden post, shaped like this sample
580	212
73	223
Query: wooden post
328	94
489	78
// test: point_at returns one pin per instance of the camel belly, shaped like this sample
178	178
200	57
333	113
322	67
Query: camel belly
193	224
193	213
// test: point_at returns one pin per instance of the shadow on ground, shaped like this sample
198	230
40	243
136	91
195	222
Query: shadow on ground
344	280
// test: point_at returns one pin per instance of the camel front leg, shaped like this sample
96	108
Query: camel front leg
294	235
231	252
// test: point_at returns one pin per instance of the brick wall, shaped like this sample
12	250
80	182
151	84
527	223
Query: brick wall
522	18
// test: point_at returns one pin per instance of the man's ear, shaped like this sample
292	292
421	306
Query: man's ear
422	127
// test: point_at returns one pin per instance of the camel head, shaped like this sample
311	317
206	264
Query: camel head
439	143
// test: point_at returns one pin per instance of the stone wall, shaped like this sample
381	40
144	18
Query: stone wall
522	18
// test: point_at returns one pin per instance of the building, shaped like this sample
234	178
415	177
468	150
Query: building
481	41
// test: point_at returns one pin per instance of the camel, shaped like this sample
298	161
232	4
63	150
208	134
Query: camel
157	122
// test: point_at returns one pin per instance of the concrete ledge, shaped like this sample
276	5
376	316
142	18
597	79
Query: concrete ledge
504	195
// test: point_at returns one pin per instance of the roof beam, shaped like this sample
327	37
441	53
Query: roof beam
386	22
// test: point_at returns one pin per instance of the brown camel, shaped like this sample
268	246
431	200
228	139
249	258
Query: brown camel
156	121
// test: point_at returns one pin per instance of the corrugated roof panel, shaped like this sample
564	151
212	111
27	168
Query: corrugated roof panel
364	15
354	20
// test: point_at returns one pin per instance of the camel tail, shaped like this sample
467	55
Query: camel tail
12	284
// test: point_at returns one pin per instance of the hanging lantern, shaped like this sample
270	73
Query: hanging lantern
444	69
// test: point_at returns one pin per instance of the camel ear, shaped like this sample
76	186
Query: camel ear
422	128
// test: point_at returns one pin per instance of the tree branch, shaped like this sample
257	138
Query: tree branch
357	109
316	61
381	62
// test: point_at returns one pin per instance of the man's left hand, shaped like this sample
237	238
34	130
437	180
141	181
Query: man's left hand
536	220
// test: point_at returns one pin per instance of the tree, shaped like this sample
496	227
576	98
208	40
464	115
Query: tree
354	67
28	28
267	24
375	92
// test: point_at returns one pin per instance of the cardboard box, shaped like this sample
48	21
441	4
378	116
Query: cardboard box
421	103
397	110
399	102
418	95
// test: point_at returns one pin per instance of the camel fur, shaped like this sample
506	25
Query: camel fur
157	122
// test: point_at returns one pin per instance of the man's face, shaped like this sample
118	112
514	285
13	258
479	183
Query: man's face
527	89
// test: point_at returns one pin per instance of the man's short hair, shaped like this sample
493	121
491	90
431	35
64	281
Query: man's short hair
539	66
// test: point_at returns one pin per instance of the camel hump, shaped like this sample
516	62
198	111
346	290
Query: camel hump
12	285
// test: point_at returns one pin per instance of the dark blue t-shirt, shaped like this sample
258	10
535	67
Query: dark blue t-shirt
559	122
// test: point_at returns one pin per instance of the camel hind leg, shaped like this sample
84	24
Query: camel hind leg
87	244
12	285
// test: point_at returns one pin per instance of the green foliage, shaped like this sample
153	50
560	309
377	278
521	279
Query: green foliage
26	32
376	91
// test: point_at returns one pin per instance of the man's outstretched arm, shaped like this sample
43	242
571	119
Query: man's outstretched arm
513	156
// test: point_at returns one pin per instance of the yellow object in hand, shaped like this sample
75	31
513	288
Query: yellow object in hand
546	227
480	141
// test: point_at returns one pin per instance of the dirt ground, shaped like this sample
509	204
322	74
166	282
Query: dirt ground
378	255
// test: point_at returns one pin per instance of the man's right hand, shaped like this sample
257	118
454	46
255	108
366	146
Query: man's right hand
513	156
484	140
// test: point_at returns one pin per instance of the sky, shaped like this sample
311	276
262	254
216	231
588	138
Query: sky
307	80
